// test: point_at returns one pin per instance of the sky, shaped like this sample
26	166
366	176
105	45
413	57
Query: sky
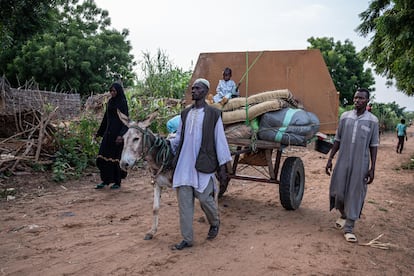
183	29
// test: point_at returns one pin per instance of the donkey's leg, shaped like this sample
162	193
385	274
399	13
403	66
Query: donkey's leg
155	211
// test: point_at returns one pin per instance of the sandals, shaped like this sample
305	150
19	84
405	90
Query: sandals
350	237
115	186
103	184
340	223
100	186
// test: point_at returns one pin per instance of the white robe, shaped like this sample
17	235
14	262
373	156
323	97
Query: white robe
185	172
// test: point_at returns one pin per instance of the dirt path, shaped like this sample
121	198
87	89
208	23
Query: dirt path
73	229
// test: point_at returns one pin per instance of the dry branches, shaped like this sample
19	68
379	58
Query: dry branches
377	244
27	145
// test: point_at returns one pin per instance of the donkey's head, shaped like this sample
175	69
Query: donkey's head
133	140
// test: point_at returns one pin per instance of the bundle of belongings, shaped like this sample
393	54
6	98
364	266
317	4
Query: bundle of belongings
288	126
273	116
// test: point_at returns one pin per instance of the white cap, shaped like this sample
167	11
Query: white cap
203	81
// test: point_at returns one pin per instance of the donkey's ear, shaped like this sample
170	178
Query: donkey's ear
144	124
147	122
124	118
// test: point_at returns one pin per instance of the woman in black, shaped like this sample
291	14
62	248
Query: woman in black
112	130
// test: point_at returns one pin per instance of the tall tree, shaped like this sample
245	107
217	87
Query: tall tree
19	21
392	44
345	66
77	51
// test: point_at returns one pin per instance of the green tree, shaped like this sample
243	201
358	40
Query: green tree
77	51
392	44
19	21
388	114
345	66
162	78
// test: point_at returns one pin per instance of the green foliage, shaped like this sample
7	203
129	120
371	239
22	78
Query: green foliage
162	79
409	116
76	51
345	66
390	22
20	20
389	114
161	91
77	149
141	106
38	167
342	109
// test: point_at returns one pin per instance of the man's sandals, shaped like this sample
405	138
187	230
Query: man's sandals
350	237
340	223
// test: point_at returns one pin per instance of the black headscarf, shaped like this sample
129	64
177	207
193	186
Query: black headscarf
111	122
119	99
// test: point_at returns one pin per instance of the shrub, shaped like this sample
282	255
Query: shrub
77	149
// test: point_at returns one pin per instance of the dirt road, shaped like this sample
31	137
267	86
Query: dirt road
72	229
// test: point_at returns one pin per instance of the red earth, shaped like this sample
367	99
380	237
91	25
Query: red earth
73	229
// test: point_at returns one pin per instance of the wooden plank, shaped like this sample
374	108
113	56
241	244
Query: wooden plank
260	144
252	178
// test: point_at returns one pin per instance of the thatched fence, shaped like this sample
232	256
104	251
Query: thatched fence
26	116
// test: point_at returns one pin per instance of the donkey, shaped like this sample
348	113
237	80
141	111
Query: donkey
140	142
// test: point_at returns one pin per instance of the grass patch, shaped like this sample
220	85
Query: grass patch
409	165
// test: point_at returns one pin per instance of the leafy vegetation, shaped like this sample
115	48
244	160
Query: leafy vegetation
345	66
389	114
162	78
77	149
66	46
390	22
140	107
20	20
161	91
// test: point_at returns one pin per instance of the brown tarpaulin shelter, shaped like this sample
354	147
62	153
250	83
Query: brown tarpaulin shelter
303	72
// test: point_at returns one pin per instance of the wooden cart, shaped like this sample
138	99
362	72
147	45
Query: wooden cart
292	175
304	73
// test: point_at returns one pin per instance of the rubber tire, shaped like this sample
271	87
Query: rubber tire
292	183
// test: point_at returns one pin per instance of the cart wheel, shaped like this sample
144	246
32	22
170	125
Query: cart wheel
292	183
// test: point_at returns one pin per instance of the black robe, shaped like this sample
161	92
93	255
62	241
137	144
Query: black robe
111	127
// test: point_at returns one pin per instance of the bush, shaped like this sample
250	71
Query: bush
77	149
141	106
